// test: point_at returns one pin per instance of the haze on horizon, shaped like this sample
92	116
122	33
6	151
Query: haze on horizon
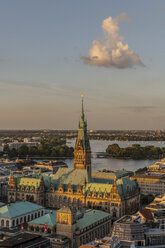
52	51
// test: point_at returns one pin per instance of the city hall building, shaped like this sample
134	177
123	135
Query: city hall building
79	187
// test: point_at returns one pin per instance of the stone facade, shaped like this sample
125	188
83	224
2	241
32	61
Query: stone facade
79	188
93	224
150	184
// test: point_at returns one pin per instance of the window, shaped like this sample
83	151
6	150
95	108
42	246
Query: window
7	223
2	222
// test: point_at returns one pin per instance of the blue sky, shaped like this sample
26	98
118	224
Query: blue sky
42	73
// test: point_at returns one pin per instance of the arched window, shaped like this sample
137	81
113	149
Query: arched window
42	213
32	228
28	217
31	216
7	223
25	219
13	223
35	215
17	221
37	229
38	214
2	222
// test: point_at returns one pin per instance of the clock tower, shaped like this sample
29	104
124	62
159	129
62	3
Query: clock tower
82	151
66	222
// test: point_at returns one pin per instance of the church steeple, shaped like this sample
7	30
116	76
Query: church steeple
82	111
82	152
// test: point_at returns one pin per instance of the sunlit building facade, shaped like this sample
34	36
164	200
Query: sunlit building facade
79	187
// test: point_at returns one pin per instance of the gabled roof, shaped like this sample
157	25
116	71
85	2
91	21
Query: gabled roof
49	219
17	209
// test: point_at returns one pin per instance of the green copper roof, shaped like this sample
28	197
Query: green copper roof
91	217
82	129
49	219
17	209
125	184
70	176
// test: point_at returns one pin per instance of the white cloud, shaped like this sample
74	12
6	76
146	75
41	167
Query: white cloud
110	51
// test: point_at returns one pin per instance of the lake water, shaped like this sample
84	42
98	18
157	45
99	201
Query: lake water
111	163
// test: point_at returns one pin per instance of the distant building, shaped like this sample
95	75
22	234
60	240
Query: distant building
158	167
129	229
16	145
150	184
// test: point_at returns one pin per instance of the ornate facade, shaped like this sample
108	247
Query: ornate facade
78	187
82	151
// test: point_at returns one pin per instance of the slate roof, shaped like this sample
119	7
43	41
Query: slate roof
91	217
49	219
17	209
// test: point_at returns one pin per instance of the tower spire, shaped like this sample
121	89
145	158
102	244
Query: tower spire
82	152
82	111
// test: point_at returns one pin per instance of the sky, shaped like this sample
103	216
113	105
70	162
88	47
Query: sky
52	51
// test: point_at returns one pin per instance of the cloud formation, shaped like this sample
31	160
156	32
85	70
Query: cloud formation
110	51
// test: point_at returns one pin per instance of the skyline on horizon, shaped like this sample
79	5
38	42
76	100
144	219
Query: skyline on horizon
51	52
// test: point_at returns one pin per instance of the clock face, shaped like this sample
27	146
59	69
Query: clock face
64	218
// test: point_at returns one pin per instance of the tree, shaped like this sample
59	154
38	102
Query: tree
23	150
